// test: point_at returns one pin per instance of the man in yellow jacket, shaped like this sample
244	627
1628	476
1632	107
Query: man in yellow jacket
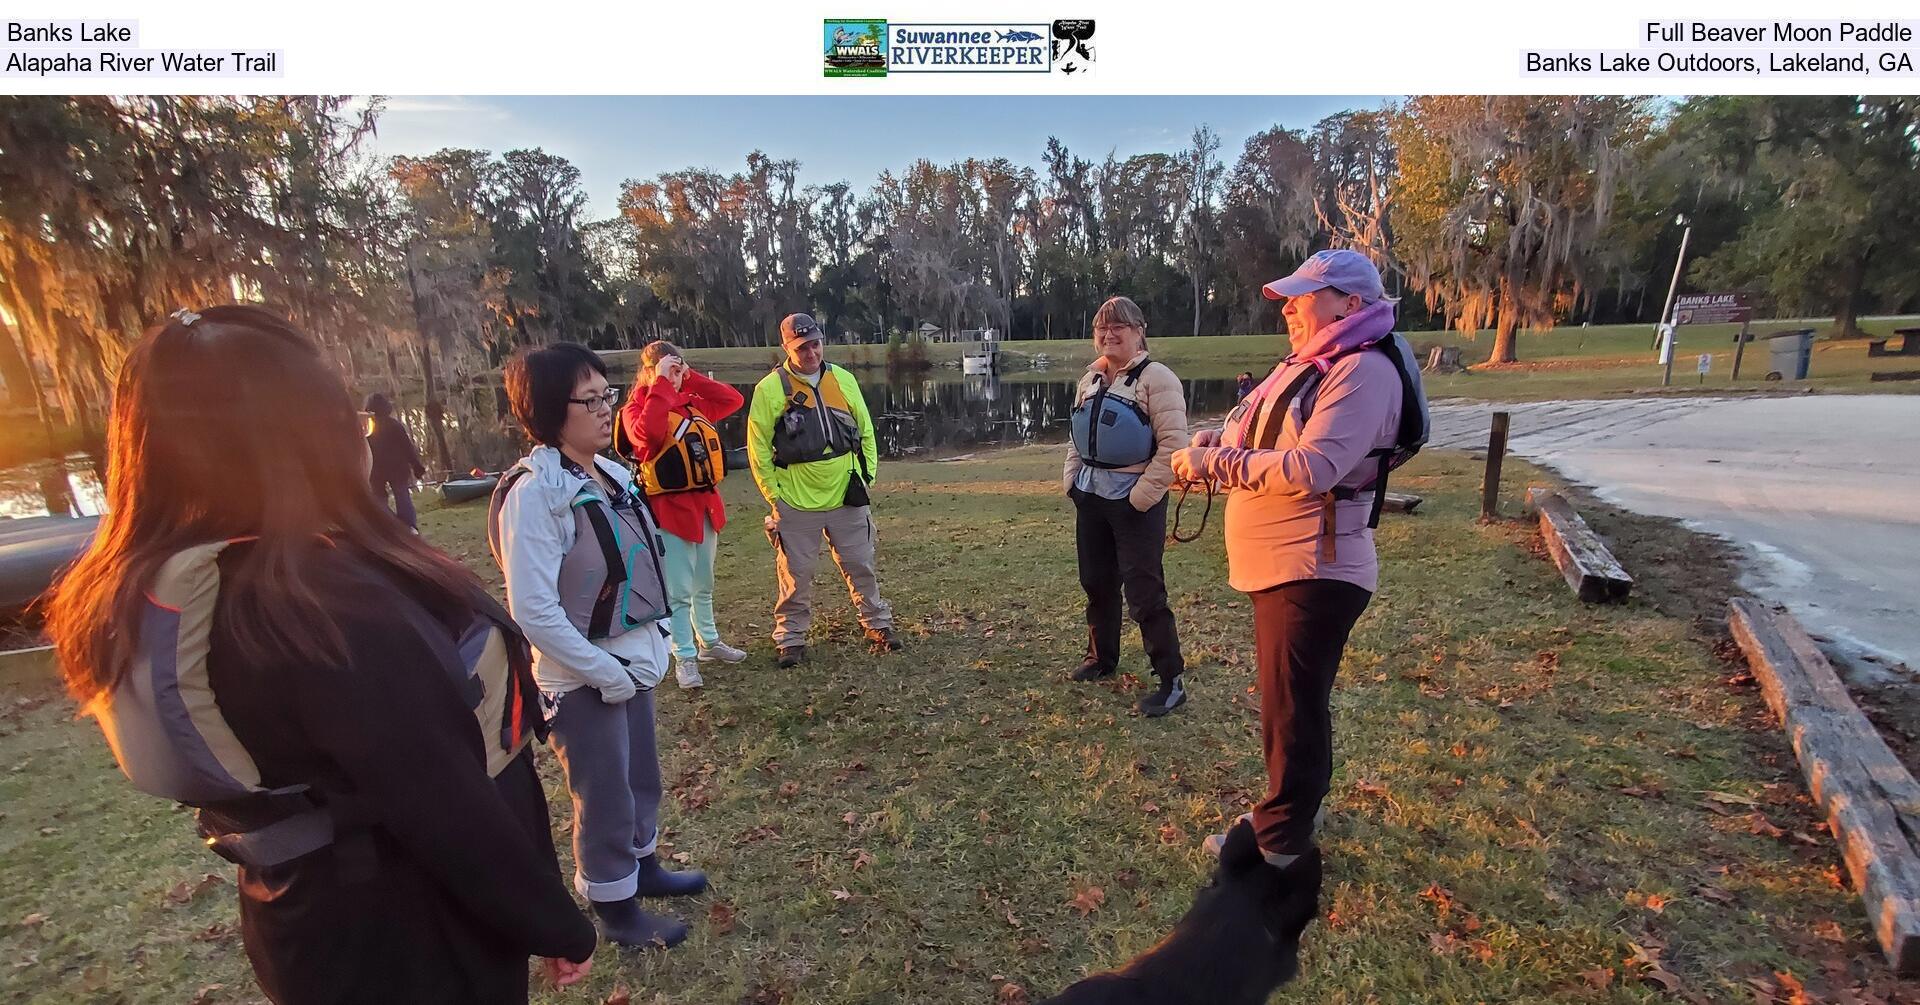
810	441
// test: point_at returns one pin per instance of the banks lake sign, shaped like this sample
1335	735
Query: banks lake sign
1712	309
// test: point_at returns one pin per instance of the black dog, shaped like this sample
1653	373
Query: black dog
1239	941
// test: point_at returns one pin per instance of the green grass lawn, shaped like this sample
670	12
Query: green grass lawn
1571	362
1535	800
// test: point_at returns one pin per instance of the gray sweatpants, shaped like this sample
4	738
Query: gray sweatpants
613	774
796	537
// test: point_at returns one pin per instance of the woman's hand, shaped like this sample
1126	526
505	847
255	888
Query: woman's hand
1206	438
564	972
671	369
1190	464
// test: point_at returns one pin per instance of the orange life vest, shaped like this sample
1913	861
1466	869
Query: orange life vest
691	459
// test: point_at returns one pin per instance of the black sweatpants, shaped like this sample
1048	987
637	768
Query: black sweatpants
1300	630
1121	548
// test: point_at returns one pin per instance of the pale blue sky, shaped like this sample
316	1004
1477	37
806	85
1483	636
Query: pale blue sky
851	138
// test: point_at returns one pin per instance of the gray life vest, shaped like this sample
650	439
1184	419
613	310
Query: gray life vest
818	423
611	580
1110	429
164	725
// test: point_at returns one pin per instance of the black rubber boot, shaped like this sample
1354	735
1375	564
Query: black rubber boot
1172	695
657	881
623	923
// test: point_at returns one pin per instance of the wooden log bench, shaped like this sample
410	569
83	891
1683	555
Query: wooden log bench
1400	502
1595	575
1871	801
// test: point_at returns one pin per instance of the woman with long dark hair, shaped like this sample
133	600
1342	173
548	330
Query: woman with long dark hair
262	640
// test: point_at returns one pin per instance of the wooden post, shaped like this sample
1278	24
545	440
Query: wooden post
1496	453
1740	348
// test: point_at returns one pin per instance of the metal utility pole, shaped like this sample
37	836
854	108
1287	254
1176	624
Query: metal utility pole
1679	263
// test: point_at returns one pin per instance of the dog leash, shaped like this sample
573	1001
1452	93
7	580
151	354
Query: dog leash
1186	489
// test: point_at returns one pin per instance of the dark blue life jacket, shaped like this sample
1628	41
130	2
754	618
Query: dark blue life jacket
1110	429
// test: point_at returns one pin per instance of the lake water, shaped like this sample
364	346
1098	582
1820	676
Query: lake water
921	416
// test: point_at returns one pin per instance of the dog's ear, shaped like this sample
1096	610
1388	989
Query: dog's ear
1240	852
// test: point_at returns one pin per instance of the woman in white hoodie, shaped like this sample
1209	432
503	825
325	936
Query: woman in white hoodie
581	556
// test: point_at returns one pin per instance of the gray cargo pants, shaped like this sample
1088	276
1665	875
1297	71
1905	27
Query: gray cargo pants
613	775
796	534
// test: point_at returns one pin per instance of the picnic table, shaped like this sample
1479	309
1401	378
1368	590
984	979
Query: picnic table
1909	344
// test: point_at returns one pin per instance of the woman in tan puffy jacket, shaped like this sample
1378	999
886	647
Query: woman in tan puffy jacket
1129	416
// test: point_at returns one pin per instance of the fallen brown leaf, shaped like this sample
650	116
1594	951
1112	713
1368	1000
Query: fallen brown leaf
720	919
1666	980
1795	991
1715	894
619	996
1010	994
1599	980
186	890
1088	900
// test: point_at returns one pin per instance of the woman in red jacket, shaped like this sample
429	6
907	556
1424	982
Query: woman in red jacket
669	420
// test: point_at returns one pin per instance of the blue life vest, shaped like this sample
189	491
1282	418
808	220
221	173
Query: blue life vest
1110	429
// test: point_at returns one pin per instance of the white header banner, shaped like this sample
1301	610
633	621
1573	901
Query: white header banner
1051	47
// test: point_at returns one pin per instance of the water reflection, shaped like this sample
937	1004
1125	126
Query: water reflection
911	417
67	486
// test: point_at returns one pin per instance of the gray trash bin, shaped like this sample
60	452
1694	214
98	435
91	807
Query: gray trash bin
1789	354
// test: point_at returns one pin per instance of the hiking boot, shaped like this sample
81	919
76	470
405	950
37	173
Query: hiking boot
1170	696
718	650
656	881
1092	669
791	656
882	640
623	923
1215	842
687	672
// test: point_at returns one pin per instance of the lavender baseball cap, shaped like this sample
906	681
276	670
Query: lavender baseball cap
1344	270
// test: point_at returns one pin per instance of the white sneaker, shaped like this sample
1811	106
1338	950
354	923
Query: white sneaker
687	672
722	652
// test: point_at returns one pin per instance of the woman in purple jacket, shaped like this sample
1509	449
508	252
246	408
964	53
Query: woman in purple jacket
1294	460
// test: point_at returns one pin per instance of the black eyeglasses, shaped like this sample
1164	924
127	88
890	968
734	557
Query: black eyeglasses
600	402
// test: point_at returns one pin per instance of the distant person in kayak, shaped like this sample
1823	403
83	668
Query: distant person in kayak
668	425
396	461
811	444
1303	462
260	640
581	556
1129	416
